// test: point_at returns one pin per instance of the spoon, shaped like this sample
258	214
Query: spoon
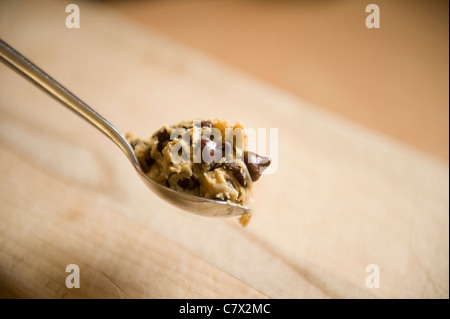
193	204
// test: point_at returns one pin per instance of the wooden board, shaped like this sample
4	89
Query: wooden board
393	79
343	196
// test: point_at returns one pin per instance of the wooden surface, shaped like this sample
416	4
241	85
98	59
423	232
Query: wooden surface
394	79
344	196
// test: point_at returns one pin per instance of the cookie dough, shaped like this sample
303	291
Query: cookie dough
205	158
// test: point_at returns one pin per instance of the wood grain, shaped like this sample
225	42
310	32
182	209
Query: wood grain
343	196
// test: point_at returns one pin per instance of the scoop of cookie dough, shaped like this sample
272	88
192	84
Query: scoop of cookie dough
205	158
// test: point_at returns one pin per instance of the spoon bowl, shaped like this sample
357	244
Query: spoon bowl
197	205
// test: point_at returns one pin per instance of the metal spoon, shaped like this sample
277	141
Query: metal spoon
193	204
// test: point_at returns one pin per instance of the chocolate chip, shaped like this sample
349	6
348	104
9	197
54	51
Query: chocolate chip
189	183
256	164
226	149
134	144
206	124
162	136
211	149
149	159
210	145
160	147
238	173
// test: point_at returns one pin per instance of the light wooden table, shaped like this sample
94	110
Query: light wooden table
343	197
393	79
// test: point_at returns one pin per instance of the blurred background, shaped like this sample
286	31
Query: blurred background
363	147
394	79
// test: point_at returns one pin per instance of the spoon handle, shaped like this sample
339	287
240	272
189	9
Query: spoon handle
30	71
